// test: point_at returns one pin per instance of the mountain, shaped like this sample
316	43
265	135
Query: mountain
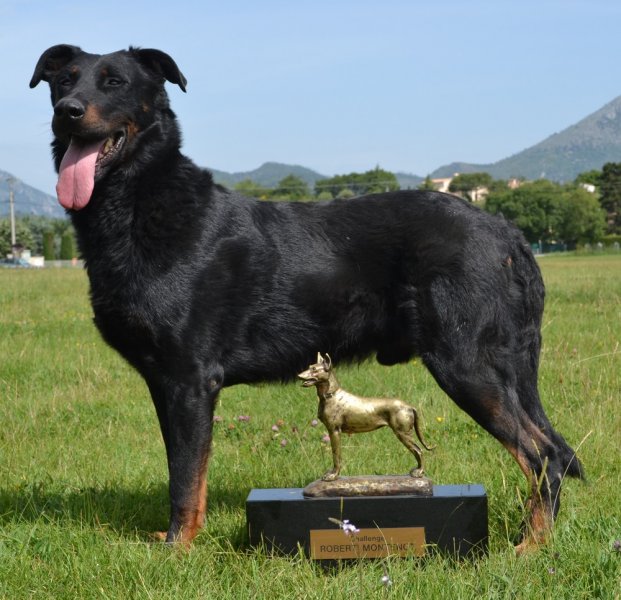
408	181
28	200
267	175
271	173
587	145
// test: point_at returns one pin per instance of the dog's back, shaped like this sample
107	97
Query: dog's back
358	277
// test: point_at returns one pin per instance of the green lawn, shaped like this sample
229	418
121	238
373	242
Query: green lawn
83	476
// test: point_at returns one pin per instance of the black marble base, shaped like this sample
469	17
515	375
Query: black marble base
453	519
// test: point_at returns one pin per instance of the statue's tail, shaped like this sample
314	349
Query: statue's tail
418	434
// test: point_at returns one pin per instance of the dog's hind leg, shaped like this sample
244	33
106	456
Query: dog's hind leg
559	461
186	415
488	392
531	403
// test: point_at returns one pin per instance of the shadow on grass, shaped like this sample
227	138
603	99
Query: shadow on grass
132	513
129	513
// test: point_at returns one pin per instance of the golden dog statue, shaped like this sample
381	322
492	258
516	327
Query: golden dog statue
342	412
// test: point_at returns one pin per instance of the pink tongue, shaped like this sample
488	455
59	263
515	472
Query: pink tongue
76	177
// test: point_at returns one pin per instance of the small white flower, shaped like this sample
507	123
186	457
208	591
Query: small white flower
349	528
386	581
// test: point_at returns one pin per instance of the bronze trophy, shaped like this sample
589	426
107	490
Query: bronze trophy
343	412
375	515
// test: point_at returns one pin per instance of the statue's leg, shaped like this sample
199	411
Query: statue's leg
335	443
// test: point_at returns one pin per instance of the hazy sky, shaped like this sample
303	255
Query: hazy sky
337	86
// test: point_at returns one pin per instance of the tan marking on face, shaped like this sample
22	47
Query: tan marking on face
132	130
92	116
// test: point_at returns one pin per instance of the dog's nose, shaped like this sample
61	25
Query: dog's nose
69	107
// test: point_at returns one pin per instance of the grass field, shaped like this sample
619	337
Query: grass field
83	476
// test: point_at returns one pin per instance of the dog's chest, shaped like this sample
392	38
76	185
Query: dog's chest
136	319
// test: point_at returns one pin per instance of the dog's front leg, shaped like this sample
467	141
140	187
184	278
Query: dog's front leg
335	444
186	414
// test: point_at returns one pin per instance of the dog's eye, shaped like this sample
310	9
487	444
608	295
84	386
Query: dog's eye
65	81
113	81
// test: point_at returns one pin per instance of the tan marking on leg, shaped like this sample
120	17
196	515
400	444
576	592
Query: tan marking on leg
194	518
540	521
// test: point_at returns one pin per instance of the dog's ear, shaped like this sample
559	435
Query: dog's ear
328	362
51	61
319	358
162	64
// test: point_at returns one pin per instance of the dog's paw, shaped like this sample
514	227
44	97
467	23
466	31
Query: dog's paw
417	473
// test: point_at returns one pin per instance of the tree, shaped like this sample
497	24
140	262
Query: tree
252	189
534	207
583	219
467	183
345	194
370	182
547	212
23	236
610	189
67	246
378	180
49	245
499	185
39	225
592	177
427	184
291	188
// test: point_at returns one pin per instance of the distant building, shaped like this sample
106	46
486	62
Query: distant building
442	184
479	194
589	187
476	195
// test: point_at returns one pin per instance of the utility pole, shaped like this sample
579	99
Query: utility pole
11	181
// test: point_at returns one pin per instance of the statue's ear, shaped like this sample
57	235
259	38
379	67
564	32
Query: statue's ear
51	61
328	362
319	358
162	64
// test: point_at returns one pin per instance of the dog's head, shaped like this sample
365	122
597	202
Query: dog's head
103	105
317	373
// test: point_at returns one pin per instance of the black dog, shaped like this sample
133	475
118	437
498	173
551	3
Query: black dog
200	288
